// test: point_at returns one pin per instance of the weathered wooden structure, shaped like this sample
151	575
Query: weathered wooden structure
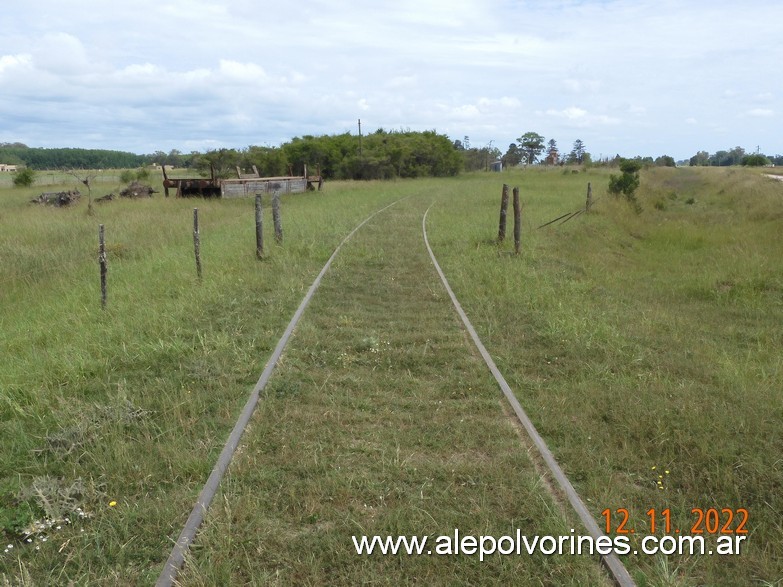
205	188
246	188
245	185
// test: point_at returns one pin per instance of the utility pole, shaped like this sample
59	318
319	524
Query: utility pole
360	137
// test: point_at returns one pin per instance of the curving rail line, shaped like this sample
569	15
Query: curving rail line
176	559
177	556
612	562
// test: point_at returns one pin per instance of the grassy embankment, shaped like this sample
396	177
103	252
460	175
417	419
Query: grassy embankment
647	348
633	341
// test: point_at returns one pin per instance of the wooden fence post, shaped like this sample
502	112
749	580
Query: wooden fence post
589	203
517	222
259	228
102	262
276	216
197	242
503	211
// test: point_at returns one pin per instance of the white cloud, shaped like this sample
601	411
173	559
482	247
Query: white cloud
466	111
579	86
192	11
504	102
248	73
572	113
62	54
761	112
9	62
580	118
453	14
402	81
141	70
187	73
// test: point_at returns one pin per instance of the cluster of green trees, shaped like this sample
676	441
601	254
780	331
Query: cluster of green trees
532	148
380	155
662	161
735	156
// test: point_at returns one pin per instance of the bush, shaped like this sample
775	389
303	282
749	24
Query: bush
630	166
129	175
627	183
755	160
24	178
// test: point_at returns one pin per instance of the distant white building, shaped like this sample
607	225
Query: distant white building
7	167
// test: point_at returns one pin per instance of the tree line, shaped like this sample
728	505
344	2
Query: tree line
735	156
67	158
380	155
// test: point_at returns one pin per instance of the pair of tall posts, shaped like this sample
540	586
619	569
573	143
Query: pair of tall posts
518	215
517	218
260	223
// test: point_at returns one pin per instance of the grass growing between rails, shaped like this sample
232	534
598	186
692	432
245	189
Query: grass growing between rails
633	341
110	421
645	347
380	420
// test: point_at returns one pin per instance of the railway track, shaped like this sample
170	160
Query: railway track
566	492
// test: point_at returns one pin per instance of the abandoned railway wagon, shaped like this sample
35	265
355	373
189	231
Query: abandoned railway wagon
244	185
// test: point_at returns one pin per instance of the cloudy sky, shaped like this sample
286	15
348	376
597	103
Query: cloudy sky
634	77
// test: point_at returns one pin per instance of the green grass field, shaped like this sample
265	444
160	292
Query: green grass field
645	347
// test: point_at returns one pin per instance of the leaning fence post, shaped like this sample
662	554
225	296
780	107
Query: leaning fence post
102	262
589	203
197	242
517	222
503	211
276	216
259	228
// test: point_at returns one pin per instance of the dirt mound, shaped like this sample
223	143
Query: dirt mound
57	199
134	190
137	190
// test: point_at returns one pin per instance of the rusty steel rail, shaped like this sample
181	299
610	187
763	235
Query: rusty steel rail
611	561
177	557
